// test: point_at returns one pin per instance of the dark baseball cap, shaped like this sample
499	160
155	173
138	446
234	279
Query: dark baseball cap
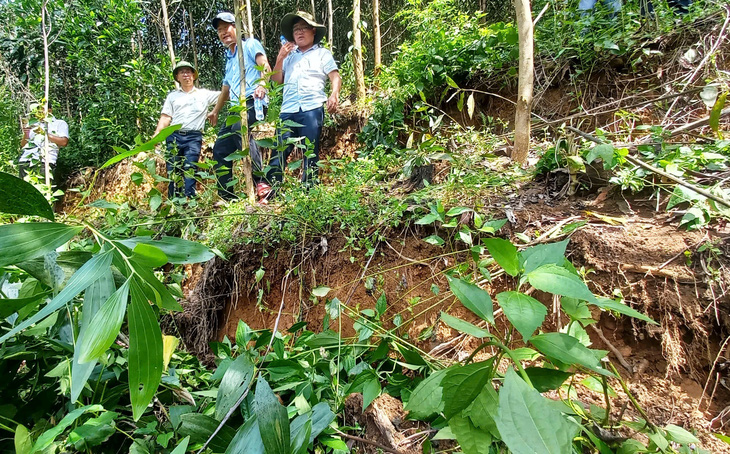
225	17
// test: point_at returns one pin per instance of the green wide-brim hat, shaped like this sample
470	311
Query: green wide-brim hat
287	26
183	64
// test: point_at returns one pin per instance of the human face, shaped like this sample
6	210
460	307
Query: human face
186	78
227	34
303	34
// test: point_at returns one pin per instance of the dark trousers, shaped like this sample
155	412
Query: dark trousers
228	142
183	152
311	129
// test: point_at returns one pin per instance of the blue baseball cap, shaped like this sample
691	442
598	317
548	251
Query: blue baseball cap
225	17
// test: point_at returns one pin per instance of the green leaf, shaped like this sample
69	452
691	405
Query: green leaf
105	325
273	419
17	196
93	432
48	436
67	261
370	390
381	305
95	295
605	151
556	279
483	410
84	277
200	427
680	435
524	312
464	326
321	291
473	298
568	350
505	253
543	254
461	385
300	442
609	304
177	250
471	439
182	447
546	379
234	383
149	256
450	82
716	113
435	240
321	416
24	241
8	306
457	211
145	351
426	400
22	440
527	424
248	439
162	135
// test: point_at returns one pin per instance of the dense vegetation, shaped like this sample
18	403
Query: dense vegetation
87	366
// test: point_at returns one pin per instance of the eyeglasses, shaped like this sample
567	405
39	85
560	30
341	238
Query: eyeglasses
302	29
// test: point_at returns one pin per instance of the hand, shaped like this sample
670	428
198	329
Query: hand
213	118
332	102
259	92
285	50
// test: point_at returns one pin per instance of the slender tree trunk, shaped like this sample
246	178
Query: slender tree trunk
357	51
193	44
262	35
314	13
330	14
46	92
377	56
525	81
249	26
246	161
168	35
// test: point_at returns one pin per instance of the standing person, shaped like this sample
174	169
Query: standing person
229	137
33	142
186	106
587	5
304	67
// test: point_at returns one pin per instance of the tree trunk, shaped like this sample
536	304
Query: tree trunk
330	14
357	51
194	45
262	35
525	81
168	35
46	92
246	161
249	26
314	13
377	56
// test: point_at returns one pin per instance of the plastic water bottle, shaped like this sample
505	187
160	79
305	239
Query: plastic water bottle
283	40
258	107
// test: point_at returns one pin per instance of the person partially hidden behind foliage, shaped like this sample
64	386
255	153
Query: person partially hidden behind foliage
304	66
33	142
229	137
186	106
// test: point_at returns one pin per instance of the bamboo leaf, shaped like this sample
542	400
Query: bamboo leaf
17	196
233	385
149	145
48	436
177	250
84	277
145	351
20	242
248	439
273	419
182	447
105	325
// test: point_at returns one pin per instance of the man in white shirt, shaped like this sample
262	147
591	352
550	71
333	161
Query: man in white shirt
186	106
34	143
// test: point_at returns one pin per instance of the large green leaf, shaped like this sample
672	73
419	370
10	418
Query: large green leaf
473	298
426	400
149	145
200	427
464	326
248	439
568	350
483	410
10	305
543	254
273	419
22	440
527	424
20	242
556	279
177	250
609	304
68	261
153	289
84	277
145	351
523	311
546	379
93	432
505	253
95	295
17	196
182	447
321	417
234	383
471	439
105	325
300	442
48	436
461	385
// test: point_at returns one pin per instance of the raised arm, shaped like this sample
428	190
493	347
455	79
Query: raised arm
285	50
